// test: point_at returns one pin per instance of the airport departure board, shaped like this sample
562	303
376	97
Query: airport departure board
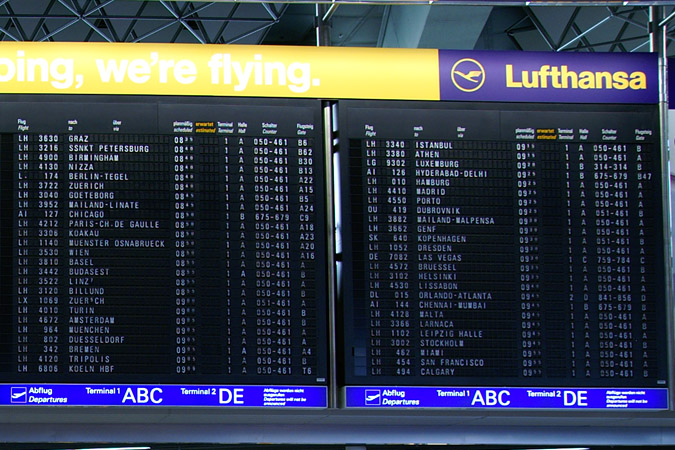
502	245
167	212
163	240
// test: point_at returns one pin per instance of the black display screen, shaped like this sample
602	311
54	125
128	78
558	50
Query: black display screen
502	245
163	240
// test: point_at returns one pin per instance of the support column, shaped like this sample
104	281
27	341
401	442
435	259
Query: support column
323	16
657	44
322	21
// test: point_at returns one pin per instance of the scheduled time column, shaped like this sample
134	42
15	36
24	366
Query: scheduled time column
185	275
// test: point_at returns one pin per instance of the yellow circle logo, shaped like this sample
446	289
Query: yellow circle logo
468	75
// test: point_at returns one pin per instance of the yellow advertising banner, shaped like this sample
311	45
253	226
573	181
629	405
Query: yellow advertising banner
218	70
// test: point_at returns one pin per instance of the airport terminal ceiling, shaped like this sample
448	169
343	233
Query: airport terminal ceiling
608	26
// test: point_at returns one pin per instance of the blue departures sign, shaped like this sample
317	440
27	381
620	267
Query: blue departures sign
511	398
164	395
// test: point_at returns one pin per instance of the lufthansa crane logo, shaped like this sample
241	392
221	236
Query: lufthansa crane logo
468	75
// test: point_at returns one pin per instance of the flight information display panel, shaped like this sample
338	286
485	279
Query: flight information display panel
502	255
162	251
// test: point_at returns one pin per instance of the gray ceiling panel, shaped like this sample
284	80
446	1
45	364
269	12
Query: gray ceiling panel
554	20
357	25
296	26
495	35
404	25
454	27
532	41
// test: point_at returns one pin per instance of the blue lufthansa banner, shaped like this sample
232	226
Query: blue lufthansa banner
549	77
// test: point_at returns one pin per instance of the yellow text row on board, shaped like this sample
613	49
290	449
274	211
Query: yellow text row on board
218	70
